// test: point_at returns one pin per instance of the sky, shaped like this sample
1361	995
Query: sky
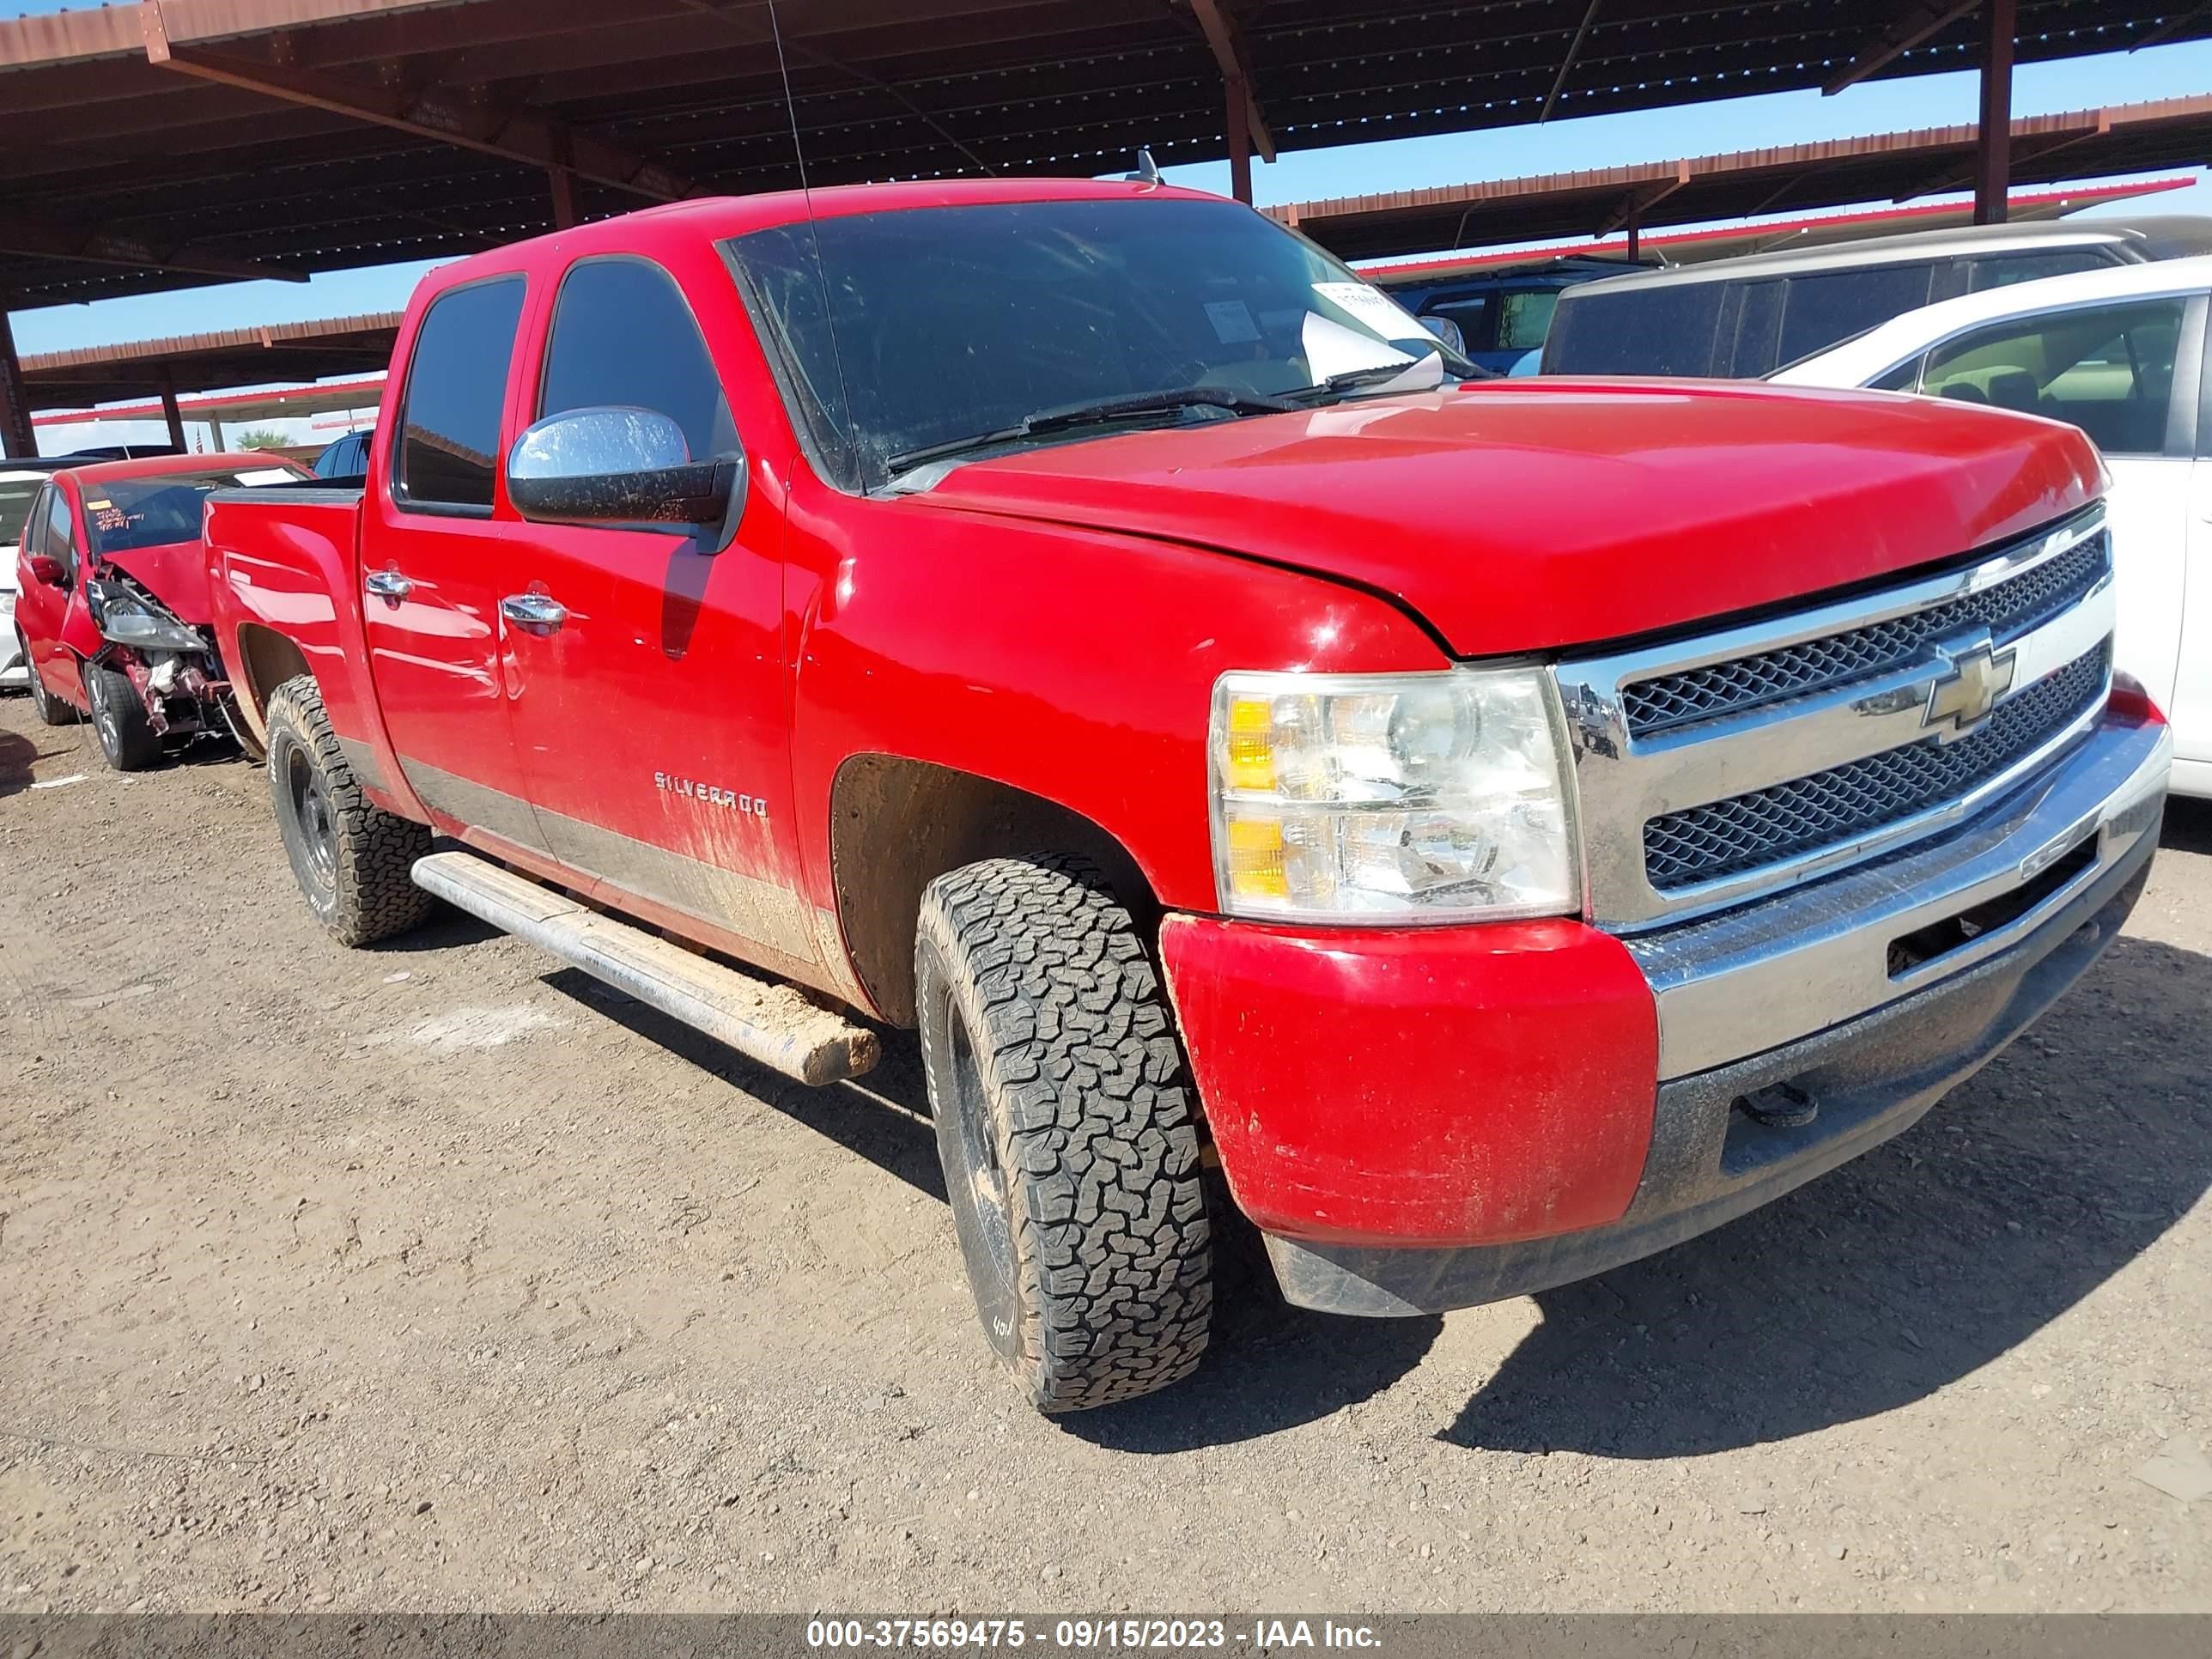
1791	117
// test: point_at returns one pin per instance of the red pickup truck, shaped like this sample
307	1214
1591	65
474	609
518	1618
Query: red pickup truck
1508	826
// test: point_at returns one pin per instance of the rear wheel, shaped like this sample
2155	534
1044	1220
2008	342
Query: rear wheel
1066	1128
351	858
52	710
127	737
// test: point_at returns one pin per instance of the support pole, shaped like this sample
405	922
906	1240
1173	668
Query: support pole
170	412
1239	97
563	185
17	437
1635	241
1993	155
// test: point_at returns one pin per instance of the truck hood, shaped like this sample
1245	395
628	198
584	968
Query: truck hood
176	574
1530	515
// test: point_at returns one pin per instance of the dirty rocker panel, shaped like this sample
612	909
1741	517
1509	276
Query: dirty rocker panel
775	917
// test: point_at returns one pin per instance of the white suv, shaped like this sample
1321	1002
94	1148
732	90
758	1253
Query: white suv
2122	353
18	485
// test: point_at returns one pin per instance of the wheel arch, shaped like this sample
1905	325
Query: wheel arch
897	824
266	659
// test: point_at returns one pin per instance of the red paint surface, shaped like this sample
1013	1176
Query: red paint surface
1056	621
1437	1086
1535	515
56	622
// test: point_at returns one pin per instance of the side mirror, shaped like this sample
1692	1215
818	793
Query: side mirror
620	466
47	570
1447	331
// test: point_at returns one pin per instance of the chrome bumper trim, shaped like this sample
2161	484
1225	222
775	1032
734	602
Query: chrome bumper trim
1735	984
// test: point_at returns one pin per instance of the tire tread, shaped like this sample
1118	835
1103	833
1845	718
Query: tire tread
376	850
1097	1121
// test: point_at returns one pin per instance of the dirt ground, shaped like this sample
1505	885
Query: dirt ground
434	1277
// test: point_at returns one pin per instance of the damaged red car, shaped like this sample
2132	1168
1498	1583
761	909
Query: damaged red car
112	613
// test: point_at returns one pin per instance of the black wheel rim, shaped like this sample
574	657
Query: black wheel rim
311	813
983	1205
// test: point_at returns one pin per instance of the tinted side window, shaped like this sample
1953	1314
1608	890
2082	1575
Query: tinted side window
34	526
1665	329
623	335
2107	370
59	543
456	388
1524	318
1473	317
2002	269
1749	351
1903	378
1832	305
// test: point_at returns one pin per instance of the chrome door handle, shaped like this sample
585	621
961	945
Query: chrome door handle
388	586
534	613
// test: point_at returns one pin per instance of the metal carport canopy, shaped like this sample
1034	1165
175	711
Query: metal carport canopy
2089	143
176	142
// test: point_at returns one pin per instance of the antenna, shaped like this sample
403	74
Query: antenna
813	234
1148	170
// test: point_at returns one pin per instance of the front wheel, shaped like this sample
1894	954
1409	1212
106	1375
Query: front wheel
127	737
1066	1126
352	858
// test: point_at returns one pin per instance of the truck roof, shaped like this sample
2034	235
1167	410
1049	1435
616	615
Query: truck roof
713	218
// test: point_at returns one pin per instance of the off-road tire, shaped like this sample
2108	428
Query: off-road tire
127	738
1067	1127
51	709
350	857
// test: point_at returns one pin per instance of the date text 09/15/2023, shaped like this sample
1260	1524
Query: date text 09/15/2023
1125	1634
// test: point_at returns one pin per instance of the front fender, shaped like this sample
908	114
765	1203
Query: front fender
1073	664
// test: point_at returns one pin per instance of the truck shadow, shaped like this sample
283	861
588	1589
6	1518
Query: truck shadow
2040	1178
1270	1366
884	1117
17	753
1908	1269
2188	825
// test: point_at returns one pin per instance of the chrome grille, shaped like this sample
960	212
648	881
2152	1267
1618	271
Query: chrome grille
1788	820
2006	609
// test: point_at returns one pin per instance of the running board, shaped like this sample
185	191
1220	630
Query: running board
772	1023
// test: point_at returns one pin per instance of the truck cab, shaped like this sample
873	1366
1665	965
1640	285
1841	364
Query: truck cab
1044	615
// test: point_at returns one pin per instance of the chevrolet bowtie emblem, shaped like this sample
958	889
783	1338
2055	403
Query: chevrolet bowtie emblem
1974	676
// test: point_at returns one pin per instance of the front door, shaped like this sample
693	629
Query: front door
41	608
652	716
435	547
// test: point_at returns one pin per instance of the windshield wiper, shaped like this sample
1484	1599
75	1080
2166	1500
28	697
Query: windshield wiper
1064	417
1352	379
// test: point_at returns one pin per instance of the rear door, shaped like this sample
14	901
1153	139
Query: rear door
436	543
653	719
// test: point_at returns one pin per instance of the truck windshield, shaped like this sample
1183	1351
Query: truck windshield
123	514
963	327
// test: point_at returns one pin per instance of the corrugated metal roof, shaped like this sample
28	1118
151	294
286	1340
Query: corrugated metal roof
150	148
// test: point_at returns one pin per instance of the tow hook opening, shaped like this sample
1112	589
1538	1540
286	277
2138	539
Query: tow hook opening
1916	950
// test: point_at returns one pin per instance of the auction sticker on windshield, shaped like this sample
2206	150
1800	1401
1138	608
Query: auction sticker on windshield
1376	309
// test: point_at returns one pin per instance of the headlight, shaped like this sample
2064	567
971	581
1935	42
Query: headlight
1391	798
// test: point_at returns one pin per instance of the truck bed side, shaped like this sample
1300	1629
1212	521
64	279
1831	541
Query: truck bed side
283	579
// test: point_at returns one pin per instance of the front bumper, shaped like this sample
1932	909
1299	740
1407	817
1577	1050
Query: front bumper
1485	1112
